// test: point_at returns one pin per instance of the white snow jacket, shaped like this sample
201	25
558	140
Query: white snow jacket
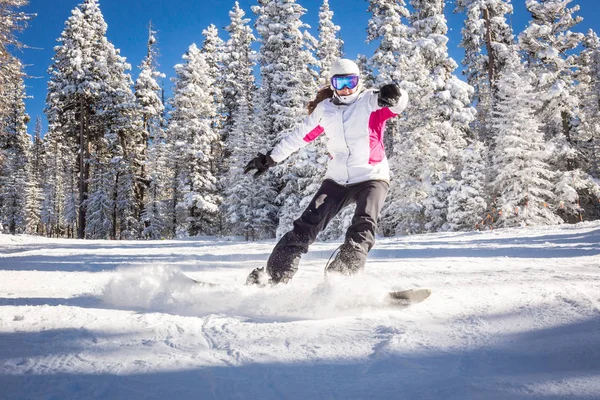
355	137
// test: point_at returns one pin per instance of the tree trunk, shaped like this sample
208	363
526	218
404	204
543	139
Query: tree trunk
141	186
83	172
113	232
488	44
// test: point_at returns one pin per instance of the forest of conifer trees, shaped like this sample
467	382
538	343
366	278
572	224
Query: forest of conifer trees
509	139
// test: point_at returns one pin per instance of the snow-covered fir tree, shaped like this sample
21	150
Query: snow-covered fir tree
193	135
238	78
52	186
112	201
38	148
18	199
124	135
366	71
523	180
466	204
549	43
100	205
79	76
449	113
485	37
37	176
157	213
12	22
427	159
244	209
262	212
388	29
242	200
330	45
287	81
152	180
213	48
587	128
588	92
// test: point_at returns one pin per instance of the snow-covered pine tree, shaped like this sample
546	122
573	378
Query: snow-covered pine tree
243	209
37	175
157	213
416	149
111	212
587	91
387	28
287	81
485	37
12	21
427	160
59	188
18	204
152	177
523	182
52	192
123	134
78	80
262	210
238	77
193	135
241	139
69	209
549	43
100	204
330	45
449	114
466	204
213	49
366	71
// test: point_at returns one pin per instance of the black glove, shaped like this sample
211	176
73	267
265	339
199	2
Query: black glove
389	95
261	163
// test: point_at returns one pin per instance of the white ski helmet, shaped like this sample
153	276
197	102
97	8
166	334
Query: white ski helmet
343	66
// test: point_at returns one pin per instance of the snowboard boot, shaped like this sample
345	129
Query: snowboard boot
349	261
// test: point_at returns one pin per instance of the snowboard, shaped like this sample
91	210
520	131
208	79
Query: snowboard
399	298
202	283
405	298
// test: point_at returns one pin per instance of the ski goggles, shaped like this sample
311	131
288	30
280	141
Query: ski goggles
341	81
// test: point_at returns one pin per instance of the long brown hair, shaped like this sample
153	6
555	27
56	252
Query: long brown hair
325	93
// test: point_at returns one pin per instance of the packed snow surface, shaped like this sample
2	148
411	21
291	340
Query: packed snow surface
514	314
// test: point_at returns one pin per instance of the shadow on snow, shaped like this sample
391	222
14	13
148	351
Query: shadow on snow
509	369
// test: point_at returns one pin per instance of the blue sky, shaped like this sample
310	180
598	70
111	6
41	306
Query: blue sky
180	23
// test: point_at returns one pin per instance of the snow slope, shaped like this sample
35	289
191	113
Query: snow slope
514	314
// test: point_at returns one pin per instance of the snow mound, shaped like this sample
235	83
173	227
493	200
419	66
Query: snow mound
168	289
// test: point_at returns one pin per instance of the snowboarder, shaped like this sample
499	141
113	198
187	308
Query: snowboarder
353	119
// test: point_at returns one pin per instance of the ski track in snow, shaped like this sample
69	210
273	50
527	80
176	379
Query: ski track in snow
514	314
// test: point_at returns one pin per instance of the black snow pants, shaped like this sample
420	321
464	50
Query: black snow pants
327	202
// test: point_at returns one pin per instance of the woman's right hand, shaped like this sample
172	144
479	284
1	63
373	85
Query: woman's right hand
261	163
389	95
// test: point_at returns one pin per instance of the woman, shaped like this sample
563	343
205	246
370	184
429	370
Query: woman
353	119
